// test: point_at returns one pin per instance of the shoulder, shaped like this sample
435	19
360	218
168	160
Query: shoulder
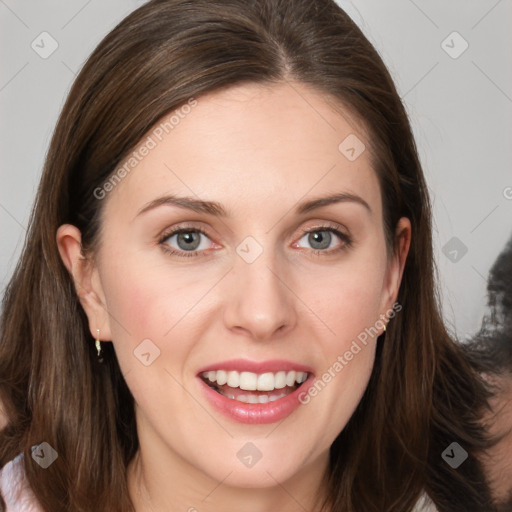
15	489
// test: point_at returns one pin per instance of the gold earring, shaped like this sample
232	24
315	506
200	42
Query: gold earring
98	346
384	328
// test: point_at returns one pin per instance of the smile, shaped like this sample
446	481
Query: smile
255	392
263	387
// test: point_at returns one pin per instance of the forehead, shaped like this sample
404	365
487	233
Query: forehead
250	145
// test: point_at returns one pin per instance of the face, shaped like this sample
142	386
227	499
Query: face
264	287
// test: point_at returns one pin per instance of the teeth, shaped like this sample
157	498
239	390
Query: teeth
253	399
280	380
233	379
290	378
221	377
250	381
265	382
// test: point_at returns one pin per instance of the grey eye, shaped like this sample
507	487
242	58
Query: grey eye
189	241
320	239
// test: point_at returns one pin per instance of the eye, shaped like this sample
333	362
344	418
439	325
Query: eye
321	240
189	241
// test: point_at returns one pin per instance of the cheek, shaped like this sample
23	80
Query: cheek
350	299
349	305
136	302
145	303
151	299
145	299
350	308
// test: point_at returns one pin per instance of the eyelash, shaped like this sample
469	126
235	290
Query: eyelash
346	239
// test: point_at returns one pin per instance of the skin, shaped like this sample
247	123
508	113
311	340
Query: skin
259	151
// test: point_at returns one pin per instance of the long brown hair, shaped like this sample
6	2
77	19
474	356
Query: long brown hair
422	395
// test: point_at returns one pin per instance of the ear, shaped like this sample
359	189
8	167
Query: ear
396	264
87	280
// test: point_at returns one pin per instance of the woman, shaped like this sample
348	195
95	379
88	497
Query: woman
226	298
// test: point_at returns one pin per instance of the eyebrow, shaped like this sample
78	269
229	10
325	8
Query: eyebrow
216	209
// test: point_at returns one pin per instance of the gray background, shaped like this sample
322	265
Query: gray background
460	107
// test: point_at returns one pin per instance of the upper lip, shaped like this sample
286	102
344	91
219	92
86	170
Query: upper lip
246	365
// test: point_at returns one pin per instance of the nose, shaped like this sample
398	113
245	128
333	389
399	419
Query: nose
261	303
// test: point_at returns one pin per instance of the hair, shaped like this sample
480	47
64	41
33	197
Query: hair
422	394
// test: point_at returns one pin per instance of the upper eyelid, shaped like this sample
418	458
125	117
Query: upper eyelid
191	227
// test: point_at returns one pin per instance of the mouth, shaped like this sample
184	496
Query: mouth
255	392
254	388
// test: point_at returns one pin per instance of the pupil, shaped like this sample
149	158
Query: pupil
189	238
321	237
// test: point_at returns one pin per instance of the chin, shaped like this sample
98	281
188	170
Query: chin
257	477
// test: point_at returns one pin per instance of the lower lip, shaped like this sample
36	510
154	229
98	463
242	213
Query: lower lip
270	412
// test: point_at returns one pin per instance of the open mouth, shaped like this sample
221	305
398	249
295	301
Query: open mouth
254	388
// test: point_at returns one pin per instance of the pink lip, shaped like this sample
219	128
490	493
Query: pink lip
270	412
244	365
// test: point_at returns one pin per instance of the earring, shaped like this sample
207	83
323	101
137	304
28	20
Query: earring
98	346
384	329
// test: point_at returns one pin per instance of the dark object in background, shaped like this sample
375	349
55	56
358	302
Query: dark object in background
493	343
490	353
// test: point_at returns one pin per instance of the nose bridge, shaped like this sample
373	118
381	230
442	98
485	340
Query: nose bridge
260	300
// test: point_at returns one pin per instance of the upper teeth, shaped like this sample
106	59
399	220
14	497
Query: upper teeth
253	381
